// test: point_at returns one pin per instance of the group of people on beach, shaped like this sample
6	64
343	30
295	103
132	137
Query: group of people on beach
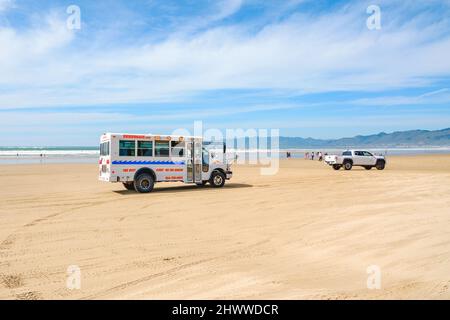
314	155
40	155
310	155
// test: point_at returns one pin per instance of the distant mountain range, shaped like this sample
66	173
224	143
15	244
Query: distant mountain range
412	138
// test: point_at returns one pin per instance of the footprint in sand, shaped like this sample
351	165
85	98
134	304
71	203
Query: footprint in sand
30	295
12	281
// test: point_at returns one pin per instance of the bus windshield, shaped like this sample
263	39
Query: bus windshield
215	145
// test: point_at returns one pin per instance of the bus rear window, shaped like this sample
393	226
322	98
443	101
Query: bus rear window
104	149
127	148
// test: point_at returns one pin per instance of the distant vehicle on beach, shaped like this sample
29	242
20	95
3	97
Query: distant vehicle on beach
351	158
141	160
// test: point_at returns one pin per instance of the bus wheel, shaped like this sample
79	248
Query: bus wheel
129	185
217	179
203	183
144	183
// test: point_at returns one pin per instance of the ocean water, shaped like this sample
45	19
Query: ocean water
41	155
28	155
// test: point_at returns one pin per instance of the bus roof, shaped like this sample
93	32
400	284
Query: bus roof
148	135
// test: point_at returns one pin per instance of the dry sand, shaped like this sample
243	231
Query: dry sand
307	233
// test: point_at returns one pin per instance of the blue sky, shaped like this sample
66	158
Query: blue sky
307	67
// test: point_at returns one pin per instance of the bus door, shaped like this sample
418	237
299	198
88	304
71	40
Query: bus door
197	161
189	161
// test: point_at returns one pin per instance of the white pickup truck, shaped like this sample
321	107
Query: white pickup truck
351	158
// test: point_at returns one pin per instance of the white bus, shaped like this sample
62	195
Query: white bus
140	160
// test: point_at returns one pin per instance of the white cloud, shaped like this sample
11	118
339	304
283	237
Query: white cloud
227	8
6	4
303	53
39	40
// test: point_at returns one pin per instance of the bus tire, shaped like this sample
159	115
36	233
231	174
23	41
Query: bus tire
129	185
202	184
144	183
336	166
217	179
368	167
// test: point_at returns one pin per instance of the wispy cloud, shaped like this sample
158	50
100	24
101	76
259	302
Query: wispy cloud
432	97
6	4
434	93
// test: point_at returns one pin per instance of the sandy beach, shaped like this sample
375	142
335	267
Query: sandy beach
308	232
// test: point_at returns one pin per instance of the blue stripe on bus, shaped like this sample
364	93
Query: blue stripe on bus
149	162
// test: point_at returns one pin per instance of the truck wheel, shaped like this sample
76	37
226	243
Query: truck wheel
380	165
144	183
129	185
368	167
217	179
348	165
336	166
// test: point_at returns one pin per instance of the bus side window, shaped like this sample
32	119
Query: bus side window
161	148
205	160
177	148
127	148
145	148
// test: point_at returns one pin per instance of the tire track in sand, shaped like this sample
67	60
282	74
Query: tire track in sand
149	277
8	242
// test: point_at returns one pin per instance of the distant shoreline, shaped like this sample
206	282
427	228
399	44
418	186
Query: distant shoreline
84	155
